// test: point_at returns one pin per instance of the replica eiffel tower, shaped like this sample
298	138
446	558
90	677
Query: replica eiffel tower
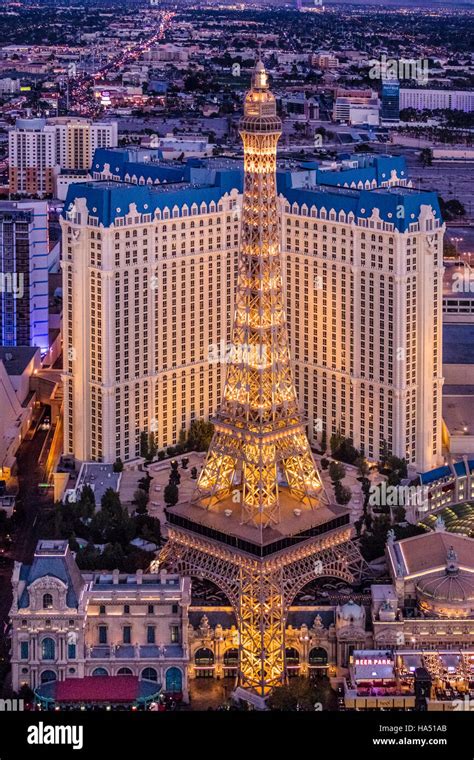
259	524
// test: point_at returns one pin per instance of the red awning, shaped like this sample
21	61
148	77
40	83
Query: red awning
98	689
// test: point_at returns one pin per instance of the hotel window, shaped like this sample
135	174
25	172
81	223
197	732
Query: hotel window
150	634
102	634
71	651
174	634
127	634
23	650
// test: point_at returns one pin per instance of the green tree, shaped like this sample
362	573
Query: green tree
152	447
302	694
372	542
140	499
335	441
86	503
324	441
342	493
336	471
362	466
118	465
26	693
346	451
110	502
200	434
384	453
171	494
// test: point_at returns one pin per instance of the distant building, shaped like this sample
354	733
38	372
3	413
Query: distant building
17	368
9	85
356	107
455	100
69	624
300	108
390	111
32	157
40	148
324	61
25	262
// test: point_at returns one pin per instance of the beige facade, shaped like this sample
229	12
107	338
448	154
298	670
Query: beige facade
146	300
68	624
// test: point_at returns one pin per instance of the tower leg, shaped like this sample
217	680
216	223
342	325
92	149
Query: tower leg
262	629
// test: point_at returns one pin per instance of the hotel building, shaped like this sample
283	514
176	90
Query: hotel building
25	259
149	266
39	148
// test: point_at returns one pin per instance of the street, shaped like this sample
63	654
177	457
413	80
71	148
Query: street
30	473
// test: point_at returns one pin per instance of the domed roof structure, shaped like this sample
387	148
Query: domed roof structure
449	591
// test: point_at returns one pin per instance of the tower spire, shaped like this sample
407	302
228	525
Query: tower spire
259	447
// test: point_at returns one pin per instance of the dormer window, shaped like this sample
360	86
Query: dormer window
47	602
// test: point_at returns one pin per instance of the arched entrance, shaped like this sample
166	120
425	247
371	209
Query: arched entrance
47	676
124	672
204	663
174	681
149	674
317	661
100	672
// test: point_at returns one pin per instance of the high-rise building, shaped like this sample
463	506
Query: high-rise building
40	148
25	260
149	279
390	111
31	157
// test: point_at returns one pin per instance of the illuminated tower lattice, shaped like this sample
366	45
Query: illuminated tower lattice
259	524
259	431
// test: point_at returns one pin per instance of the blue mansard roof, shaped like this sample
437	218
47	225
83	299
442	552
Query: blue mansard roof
203	181
399	206
53	558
